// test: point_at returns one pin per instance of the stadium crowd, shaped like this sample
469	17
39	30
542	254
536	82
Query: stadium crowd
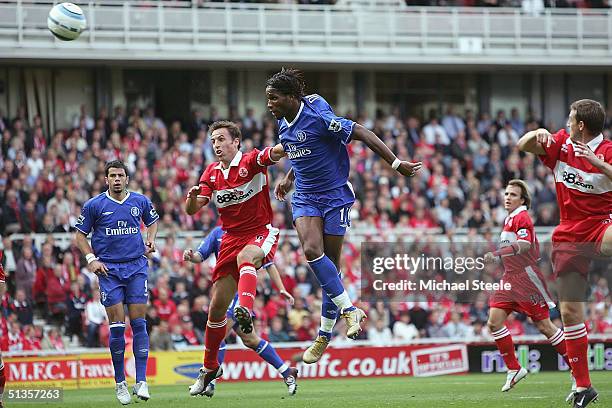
45	179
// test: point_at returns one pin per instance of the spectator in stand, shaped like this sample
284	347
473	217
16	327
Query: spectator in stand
57	291
53	341
161	338
166	308
21	306
403	329
77	302
278	334
380	334
25	272
456	328
95	315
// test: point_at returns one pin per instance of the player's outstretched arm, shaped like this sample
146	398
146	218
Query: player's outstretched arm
276	279
405	168
535	140
93	264
516	248
583	150
194	201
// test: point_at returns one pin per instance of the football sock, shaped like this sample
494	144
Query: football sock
577	353
558	342
505	345
327	275
215	333
267	352
247	285
140	347
329	313
116	343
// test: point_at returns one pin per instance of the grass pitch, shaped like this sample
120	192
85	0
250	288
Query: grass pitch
457	391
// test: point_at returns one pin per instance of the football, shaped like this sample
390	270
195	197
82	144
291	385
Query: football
66	21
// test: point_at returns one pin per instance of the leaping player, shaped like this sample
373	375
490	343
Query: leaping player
315	140
581	164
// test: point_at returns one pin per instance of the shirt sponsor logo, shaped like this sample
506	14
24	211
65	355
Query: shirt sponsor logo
122	229
295	153
576	179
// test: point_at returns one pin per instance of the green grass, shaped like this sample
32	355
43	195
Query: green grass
473	390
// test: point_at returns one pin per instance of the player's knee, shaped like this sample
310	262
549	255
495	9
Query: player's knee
606	247
571	313
493	325
247	255
312	251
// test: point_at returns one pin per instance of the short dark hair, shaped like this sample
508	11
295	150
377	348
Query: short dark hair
115	164
289	81
231	127
591	113
525	194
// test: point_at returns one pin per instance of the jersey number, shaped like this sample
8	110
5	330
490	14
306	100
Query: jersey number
345	216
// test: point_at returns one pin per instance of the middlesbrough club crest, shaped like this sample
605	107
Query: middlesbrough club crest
243	172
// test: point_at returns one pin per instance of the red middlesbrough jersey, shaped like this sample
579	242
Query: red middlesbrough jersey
519	227
582	189
241	192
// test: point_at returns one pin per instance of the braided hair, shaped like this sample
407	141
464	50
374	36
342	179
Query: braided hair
288	81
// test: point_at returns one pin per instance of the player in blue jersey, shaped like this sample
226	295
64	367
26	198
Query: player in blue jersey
117	254
315	140
209	245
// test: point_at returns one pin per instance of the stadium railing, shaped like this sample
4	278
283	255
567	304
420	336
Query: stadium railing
355	236
345	32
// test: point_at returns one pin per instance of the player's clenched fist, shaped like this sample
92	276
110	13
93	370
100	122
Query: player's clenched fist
188	255
282	188
193	192
544	137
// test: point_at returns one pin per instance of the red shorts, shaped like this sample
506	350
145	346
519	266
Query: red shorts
575	243
528	295
266	238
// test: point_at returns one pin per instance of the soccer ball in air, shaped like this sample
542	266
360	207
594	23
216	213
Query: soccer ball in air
66	21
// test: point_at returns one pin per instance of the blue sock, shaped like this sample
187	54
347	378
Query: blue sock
329	314
267	352
141	348
221	353
116	343
327	275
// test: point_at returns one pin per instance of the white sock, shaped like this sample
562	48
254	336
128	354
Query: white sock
342	301
327	325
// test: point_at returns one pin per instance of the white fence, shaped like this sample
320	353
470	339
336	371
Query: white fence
356	33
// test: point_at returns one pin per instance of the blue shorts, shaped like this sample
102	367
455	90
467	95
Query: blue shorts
126	283
334	206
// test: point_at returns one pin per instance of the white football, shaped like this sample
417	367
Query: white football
66	21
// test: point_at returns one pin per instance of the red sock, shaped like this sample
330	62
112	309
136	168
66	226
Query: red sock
577	352
505	345
2	379
247	285
215	333
558	342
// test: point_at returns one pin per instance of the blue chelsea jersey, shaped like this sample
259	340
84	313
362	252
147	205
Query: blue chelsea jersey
315	142
116	233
